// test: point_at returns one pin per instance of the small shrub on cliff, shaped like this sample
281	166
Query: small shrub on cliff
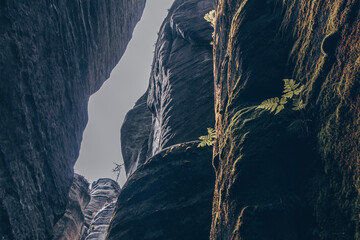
117	170
292	91
207	140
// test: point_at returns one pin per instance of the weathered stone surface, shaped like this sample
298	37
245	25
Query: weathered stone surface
135	132
69	225
169	192
88	211
100	223
168	197
180	93
103	191
292	175
54	55
181	82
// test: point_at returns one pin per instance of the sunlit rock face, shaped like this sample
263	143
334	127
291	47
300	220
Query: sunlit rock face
103	192
294	175
69	226
54	55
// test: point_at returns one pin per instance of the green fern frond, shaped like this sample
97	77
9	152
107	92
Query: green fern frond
202	144
208	140
291	88
211	132
269	104
298	90
279	108
283	101
298	104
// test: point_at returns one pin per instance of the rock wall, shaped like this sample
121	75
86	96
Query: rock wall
54	55
88	211
103	192
180	94
181	85
293	175
135	132
169	192
69	226
286	176
100	223
176	204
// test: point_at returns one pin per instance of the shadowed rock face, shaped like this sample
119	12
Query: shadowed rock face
169	192
176	204
103	192
294	175
181	82
69	226
180	93
135	132
54	55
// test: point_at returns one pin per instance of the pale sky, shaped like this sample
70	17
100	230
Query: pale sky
107	107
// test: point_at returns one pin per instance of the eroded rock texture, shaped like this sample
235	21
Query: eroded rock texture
135	132
88	211
169	192
103	192
294	175
181	82
54	55
100	223
173	205
69	226
180	94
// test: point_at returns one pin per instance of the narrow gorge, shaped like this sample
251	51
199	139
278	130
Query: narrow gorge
278	82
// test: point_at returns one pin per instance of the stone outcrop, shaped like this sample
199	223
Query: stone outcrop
170	187
69	226
54	55
100	223
88	211
176	204
135	132
103	192
294	175
180	93
181	83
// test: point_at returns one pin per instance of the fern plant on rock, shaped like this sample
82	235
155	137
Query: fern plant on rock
207	140
291	93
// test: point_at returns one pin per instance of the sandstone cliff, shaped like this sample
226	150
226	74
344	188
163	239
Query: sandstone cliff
54	55
179	100
294	175
286	176
100	223
290	175
103	192
69	226
169	192
88	210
